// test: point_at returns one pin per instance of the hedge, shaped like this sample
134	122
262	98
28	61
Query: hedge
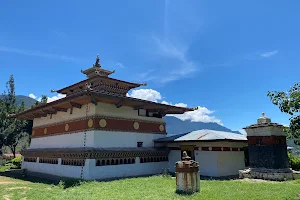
294	162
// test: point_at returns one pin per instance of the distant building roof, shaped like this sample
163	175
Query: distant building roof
204	135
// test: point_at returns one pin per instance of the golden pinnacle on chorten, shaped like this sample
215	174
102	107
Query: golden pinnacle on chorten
97	63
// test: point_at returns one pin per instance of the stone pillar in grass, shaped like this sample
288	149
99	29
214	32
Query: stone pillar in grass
187	175
267	145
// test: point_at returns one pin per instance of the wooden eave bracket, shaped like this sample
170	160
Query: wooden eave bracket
93	99
48	111
75	105
119	104
138	107
60	109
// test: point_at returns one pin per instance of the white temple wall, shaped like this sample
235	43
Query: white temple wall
123	112
91	171
229	163
95	139
65	116
128	170
100	109
208	161
124	139
57	170
212	163
174	156
63	141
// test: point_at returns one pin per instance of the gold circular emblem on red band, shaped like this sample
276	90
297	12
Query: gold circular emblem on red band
102	123
161	128
136	125
67	127
90	123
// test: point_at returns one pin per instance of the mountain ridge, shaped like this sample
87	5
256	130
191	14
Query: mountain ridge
176	126
28	101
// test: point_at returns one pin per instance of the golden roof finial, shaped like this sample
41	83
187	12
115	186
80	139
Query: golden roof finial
97	63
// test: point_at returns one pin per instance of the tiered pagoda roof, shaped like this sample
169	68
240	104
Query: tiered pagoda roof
98	87
98	80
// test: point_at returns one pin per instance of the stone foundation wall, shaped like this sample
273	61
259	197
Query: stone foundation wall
270	174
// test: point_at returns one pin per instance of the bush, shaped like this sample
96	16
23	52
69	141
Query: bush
17	162
294	162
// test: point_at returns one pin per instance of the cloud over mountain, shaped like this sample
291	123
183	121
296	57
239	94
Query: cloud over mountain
202	114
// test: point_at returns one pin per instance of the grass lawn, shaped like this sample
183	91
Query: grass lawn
155	187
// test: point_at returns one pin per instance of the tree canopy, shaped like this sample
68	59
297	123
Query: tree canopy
289	102
11	129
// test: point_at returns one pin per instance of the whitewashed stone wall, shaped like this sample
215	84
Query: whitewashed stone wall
96	138
92	172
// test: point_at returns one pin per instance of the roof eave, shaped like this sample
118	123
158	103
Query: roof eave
217	140
38	110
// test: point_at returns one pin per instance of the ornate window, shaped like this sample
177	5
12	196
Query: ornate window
139	144
154	159
30	159
116	161
107	162
73	162
53	161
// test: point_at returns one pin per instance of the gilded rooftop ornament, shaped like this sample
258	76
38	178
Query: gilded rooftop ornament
97	63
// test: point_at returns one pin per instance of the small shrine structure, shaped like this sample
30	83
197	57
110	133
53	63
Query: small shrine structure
267	151
97	131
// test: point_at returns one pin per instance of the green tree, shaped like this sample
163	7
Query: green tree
289	102
2	117
15	131
44	99
11	129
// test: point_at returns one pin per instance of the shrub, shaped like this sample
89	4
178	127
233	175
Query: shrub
17	162
294	161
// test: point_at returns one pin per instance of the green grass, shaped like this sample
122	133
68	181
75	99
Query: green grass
3	168
155	187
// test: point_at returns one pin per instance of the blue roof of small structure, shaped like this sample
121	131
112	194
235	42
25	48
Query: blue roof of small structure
204	135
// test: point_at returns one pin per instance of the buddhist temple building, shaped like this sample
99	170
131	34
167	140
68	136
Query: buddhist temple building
98	132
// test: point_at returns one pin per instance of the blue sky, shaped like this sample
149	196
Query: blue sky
223	56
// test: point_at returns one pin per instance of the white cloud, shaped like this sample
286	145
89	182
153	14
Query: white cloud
182	66
146	94
50	99
202	114
35	53
120	65
32	96
54	98
269	54
146	76
169	51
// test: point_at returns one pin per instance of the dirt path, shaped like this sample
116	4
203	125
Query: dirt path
5	180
